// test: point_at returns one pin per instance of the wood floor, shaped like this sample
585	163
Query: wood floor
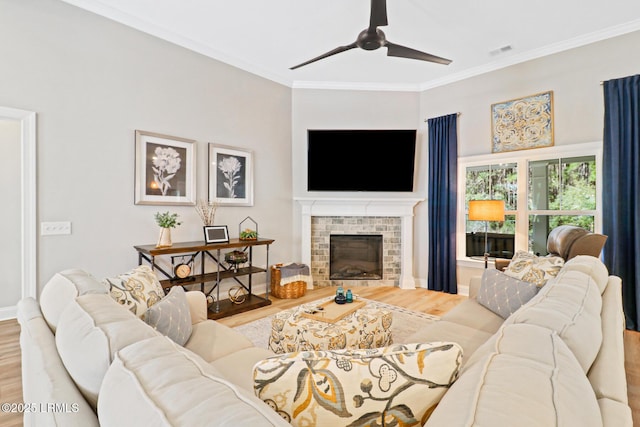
435	303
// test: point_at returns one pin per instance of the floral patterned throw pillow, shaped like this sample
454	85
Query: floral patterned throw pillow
528	267
400	384
137	289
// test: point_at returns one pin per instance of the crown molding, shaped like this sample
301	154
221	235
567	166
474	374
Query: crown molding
393	87
573	43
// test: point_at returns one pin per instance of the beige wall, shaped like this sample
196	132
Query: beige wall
93	82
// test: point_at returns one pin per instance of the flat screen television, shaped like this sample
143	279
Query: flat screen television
360	160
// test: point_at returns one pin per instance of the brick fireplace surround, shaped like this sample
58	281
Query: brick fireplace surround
393	218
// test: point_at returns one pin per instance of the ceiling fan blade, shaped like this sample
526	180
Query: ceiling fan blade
339	49
407	52
378	14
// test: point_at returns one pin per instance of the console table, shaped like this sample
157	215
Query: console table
212	251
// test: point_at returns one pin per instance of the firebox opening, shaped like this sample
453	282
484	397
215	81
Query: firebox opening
355	257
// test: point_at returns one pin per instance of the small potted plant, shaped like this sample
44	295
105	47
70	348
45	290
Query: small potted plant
248	233
166	221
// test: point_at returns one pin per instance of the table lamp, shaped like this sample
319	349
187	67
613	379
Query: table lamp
486	210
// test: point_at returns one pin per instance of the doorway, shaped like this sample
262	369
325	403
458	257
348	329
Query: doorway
18	218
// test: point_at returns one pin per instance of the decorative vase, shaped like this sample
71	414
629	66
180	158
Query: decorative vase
164	240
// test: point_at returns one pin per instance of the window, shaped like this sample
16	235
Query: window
496	181
561	191
542	189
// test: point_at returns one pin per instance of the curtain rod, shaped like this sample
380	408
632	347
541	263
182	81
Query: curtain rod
458	114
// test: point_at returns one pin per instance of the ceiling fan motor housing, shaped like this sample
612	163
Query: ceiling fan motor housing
371	40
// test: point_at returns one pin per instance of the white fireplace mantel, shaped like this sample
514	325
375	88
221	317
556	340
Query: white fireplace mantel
390	207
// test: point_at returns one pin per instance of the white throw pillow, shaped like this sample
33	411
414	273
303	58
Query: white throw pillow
504	294
532	268
137	289
400	384
171	316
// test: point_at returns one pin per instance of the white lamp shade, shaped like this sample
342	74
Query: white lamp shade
486	210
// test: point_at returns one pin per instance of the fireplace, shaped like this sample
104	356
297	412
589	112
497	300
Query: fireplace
355	257
391	217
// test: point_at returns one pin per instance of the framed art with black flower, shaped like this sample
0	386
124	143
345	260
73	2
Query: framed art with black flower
165	170
230	175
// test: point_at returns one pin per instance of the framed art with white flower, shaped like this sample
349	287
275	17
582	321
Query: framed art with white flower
165	170
230	175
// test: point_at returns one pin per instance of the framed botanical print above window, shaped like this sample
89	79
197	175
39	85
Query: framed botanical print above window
230	175
165	170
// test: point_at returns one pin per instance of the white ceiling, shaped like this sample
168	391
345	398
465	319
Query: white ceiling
268	37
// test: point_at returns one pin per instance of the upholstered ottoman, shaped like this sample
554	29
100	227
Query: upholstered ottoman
297	330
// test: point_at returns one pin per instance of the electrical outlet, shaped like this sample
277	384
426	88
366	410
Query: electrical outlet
55	228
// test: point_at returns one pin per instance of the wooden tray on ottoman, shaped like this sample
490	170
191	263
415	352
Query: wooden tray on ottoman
332	312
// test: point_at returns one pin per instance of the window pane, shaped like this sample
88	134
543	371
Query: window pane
579	183
541	225
500	238
493	182
563	184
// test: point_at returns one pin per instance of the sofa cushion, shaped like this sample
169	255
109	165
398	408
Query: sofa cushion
591	266
470	339
474	315
530	378
171	316
91	329
616	414
607	374
137	289
45	381
531	268
156	382
62	288
400	384
212	340
504	294
569	305
237	367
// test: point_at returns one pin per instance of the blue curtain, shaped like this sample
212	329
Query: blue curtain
621	192
443	181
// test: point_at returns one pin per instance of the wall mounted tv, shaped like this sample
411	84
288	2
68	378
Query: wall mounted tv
360	160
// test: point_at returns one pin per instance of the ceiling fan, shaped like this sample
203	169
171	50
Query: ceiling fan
372	38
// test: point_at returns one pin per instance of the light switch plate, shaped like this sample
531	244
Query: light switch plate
55	228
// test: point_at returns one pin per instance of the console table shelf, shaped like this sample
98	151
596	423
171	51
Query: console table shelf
212	251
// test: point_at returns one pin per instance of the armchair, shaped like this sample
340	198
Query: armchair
568	241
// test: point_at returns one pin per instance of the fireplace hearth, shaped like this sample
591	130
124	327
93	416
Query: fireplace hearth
355	257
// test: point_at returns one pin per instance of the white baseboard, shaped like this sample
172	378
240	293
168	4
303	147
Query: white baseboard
7	313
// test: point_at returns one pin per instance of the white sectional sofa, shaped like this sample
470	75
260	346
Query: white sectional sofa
104	366
557	361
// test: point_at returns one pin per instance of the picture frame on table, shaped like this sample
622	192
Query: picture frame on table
230	175
216	234
165	170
